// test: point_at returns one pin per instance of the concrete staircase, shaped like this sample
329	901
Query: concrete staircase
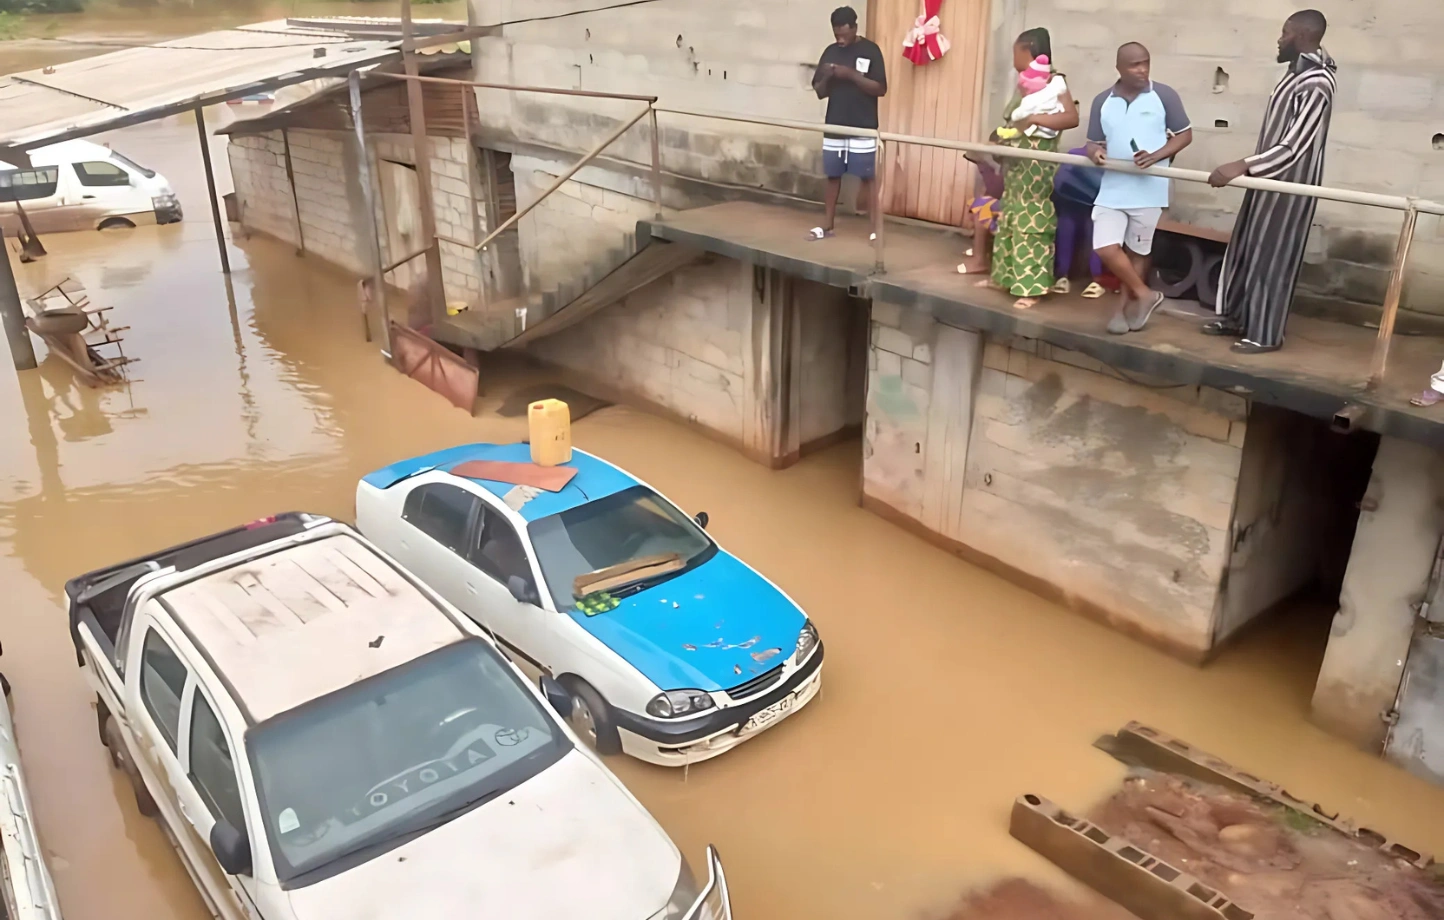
604	282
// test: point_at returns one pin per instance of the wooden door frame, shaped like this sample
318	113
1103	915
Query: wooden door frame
981	44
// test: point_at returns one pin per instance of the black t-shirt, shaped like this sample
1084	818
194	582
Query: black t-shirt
848	105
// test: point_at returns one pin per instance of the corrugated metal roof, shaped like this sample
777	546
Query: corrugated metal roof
40	107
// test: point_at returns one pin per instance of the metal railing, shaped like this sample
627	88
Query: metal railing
1411	207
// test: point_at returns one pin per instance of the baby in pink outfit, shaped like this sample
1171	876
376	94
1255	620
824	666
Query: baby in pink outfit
1042	95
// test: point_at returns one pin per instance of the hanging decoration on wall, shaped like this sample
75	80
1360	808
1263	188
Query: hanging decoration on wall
925	42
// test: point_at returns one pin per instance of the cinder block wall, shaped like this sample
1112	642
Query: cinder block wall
1388	112
332	207
677	343
1112	495
587	227
754	57
258	168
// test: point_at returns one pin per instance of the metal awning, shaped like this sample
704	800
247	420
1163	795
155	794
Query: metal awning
76	99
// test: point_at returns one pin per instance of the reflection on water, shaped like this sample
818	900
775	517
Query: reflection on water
42	40
948	692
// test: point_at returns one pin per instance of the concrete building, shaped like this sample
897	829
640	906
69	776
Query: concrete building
1153	482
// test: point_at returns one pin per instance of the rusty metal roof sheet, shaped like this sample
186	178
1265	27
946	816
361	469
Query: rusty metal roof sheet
66	101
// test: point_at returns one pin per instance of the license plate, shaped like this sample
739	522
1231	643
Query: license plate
769	715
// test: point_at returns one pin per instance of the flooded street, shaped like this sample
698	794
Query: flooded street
949	691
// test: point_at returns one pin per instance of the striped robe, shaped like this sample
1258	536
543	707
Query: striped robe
1267	250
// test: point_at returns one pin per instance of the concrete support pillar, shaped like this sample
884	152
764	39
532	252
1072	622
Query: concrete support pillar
12	316
1394	548
773	342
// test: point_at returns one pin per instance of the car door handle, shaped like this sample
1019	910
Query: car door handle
88	197
471	589
185	812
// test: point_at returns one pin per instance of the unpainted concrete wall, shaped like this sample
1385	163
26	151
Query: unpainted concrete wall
828	372
1118	495
1282	521
754	57
580	232
677	343
332	207
1391	85
1394	549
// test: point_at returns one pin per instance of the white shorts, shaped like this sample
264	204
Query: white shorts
1133	227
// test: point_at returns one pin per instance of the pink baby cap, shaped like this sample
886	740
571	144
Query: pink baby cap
1037	75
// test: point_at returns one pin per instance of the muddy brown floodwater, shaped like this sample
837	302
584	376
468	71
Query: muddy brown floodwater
948	691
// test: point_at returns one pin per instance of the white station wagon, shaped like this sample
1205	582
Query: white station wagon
673	649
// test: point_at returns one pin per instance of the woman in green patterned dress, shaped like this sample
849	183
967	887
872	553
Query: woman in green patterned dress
1023	247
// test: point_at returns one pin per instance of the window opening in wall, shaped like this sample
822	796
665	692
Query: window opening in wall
503	256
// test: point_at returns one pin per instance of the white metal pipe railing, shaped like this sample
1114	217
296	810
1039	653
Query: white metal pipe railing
1411	207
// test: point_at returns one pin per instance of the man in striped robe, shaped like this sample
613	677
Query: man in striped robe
1267	250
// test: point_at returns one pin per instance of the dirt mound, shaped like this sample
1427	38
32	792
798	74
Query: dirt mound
1273	861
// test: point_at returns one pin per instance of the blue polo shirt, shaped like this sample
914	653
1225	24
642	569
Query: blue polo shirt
1148	121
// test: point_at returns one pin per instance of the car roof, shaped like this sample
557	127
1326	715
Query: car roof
595	478
290	626
66	152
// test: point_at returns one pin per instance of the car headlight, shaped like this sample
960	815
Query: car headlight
806	641
684	895
679	703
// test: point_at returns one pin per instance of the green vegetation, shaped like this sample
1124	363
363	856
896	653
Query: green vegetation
24	7
1297	820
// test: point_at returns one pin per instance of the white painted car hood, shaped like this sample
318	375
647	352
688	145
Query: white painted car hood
568	843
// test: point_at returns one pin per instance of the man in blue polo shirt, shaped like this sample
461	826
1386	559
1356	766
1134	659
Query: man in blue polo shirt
1142	121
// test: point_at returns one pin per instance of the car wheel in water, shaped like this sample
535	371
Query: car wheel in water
120	759
591	717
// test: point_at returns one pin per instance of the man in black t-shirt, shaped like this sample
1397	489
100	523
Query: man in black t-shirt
851	77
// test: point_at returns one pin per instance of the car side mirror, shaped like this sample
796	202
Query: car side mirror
702	518
521	589
557	697
232	848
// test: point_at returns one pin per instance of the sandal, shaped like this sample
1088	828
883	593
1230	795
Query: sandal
1094	291
1025	303
1426	398
817	233
1063	286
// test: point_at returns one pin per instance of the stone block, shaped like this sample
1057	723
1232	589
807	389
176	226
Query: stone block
894	340
1382	90
887	314
887	363
917	373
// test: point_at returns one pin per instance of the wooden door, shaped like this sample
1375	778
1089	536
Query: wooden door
942	99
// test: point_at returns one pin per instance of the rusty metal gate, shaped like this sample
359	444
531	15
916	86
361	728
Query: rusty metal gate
1416	735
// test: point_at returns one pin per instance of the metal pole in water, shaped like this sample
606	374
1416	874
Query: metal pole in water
368	195
211	188
22	350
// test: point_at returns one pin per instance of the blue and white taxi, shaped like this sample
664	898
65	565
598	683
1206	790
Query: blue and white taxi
673	649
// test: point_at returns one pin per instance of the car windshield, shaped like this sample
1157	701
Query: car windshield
127	161
395	754
632	525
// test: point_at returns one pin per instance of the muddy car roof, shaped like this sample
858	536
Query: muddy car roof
596	478
293	625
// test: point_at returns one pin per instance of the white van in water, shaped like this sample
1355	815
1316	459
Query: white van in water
78	185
